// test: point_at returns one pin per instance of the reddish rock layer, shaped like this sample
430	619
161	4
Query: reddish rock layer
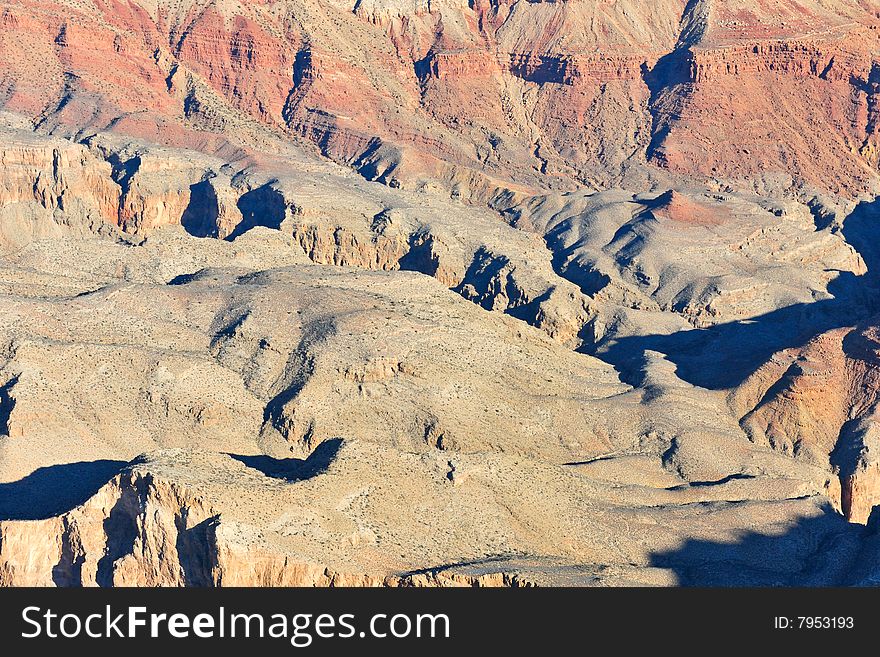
476	95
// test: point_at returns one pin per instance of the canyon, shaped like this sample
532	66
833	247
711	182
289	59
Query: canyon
439	293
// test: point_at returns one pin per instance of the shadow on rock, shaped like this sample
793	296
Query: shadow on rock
823	550
292	470
200	217
263	206
55	489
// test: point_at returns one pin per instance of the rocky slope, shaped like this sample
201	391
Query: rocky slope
329	425
408	293
374	419
474	97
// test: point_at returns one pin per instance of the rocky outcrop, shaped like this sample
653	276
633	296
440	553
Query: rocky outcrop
50	188
54	187
819	403
189	518
142	530
576	69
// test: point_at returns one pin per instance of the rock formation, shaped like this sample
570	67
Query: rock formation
405	293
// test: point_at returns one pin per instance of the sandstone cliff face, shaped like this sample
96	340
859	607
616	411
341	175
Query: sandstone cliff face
701	109
551	93
135	531
51	188
55	187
